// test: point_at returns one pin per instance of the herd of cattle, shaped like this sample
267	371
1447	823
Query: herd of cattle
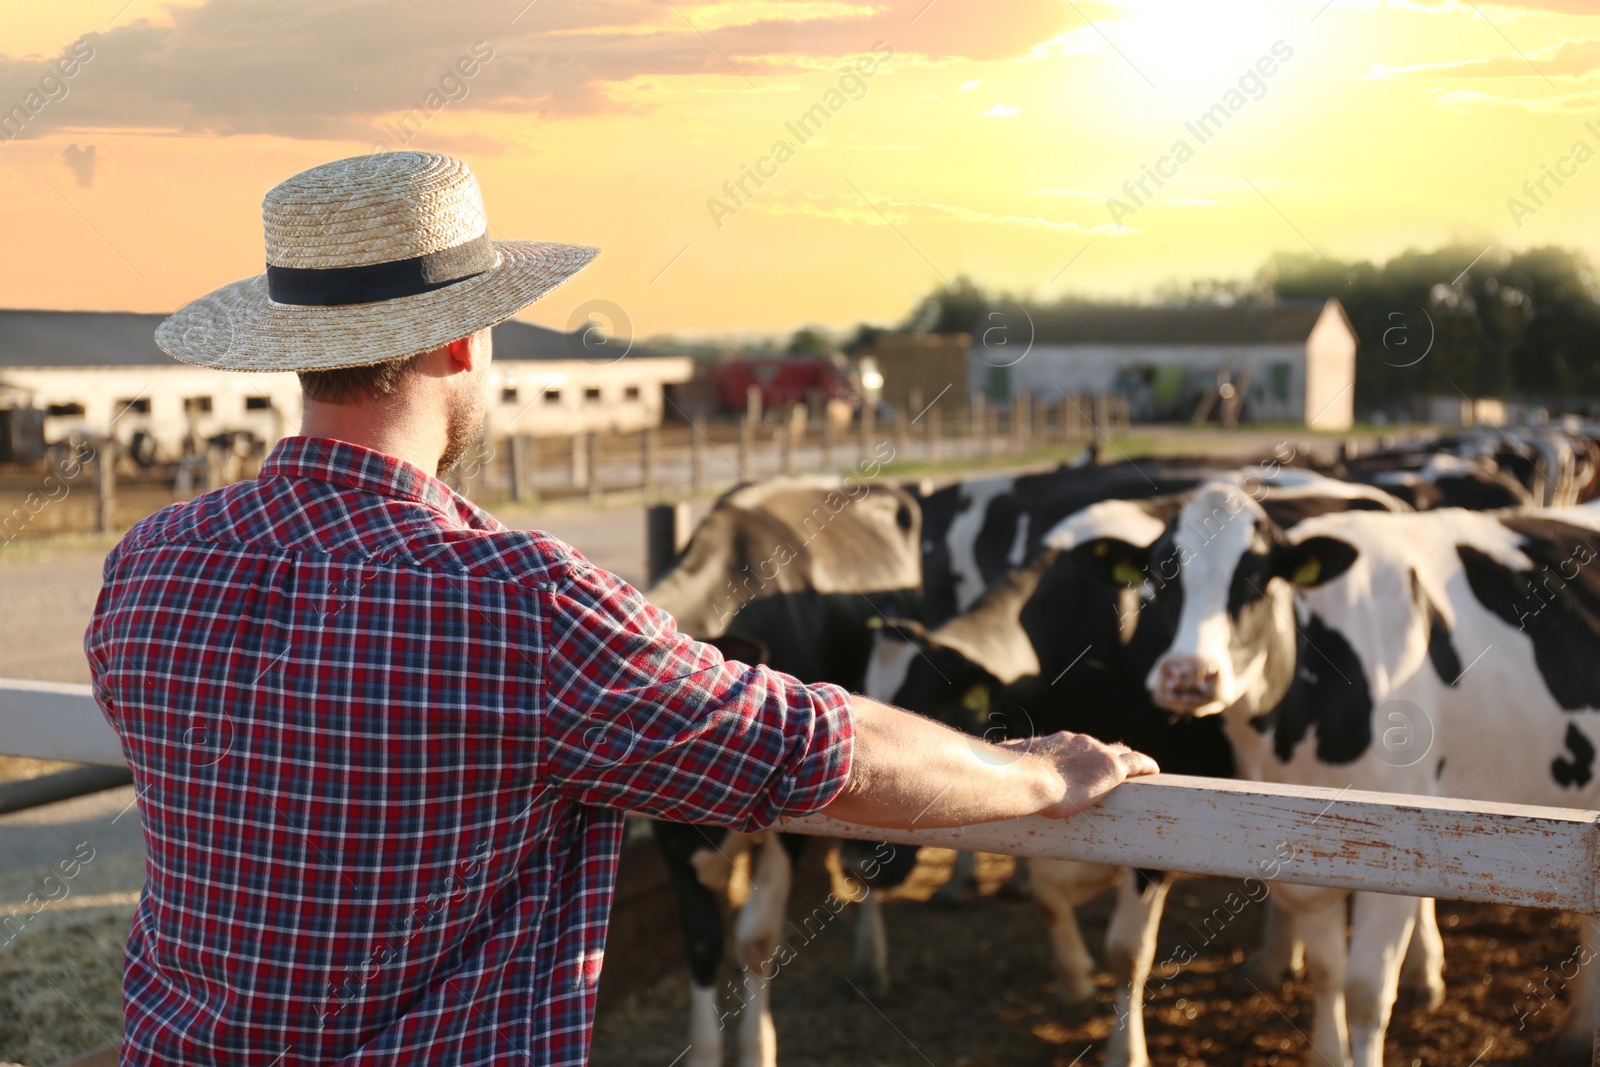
1421	619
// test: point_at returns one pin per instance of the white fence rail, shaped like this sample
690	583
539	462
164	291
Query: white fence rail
1380	842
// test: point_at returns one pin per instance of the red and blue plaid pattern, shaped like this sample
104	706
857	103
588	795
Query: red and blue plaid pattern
383	747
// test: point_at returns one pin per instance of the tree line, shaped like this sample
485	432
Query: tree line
1522	325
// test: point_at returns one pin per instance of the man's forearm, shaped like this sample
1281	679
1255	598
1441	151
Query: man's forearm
911	771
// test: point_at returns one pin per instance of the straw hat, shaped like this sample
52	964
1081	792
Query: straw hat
369	259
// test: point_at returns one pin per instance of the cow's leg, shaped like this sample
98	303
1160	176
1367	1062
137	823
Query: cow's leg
963	883
1281	953
1017	887
1059	886
871	963
755	940
1319	915
1130	949
700	918
1576	1037
1422	973
1378	938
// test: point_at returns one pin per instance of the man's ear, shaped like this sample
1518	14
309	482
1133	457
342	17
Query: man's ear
1113	560
1313	561
467	352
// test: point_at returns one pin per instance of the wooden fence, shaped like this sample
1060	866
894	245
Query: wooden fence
106	495
678	459
1379	842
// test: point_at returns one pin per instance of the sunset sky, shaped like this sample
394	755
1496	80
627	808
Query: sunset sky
987	140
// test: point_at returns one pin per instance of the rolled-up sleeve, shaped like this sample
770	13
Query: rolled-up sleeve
641	717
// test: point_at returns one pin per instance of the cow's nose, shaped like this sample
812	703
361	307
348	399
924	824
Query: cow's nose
1189	675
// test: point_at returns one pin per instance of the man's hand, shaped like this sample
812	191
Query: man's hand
1089	769
911	772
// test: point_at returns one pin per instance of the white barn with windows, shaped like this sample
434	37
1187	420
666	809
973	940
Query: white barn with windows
1295	361
101	373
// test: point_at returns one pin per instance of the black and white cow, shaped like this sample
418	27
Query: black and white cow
1443	480
1446	652
978	530
1052	647
788	573
1553	464
791	572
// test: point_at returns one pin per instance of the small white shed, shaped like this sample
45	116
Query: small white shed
1295	360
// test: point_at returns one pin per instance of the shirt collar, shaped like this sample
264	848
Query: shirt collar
327	459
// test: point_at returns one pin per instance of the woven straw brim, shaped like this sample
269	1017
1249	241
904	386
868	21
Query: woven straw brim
239	328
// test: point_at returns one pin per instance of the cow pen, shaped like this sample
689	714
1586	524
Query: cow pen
1452	849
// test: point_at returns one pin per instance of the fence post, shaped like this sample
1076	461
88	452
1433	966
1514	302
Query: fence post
1102	414
866	431
1022	418
517	459
799	430
746	432
105	471
647	460
666	531
975	422
579	460
900	433
592	441
933	429
785	436
697	458
827	439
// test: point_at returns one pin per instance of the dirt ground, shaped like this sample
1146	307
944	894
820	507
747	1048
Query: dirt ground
975	985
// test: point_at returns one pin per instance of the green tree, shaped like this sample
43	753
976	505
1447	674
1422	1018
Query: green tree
1526	324
952	308
810	341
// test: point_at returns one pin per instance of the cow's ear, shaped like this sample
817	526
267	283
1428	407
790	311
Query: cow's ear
1313	561
908	630
744	649
1113	560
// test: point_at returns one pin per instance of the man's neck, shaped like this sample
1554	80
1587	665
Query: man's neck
390	426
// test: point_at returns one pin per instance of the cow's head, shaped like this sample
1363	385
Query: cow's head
817	535
1218	576
959	672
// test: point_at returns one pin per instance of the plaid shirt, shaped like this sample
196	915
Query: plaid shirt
383	747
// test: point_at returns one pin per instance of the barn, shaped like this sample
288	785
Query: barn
1293	361
101	373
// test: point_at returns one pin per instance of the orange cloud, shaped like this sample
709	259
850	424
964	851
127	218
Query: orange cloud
340	70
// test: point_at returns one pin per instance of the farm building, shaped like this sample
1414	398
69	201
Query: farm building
919	369
101	373
1293	361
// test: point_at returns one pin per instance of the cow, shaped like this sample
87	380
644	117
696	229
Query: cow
791	572
1553	464
1051	647
978	530
1445	652
786	573
1447	481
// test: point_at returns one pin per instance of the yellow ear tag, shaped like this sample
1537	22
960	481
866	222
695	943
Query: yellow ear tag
1125	573
976	701
1309	572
